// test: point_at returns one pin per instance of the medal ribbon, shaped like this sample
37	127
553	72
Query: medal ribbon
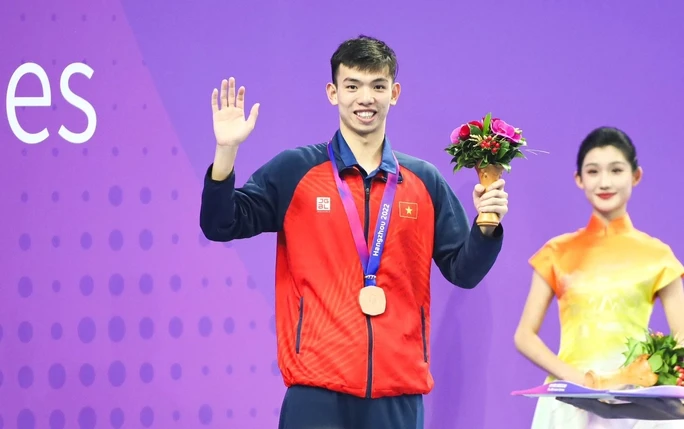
370	261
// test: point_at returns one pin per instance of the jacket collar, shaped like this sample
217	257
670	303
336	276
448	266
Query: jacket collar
345	157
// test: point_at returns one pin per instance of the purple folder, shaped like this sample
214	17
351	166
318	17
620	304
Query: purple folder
648	403
570	390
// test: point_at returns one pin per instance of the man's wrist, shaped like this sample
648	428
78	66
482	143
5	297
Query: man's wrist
224	162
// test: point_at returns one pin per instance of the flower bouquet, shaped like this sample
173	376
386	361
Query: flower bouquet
648	386
656	361
489	146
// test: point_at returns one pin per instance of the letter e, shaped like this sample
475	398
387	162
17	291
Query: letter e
12	101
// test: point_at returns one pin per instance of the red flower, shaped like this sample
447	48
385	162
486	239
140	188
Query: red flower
460	133
464	132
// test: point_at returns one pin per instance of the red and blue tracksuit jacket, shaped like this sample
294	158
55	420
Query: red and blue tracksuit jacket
324	339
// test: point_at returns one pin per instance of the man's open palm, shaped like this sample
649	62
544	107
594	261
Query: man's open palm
230	126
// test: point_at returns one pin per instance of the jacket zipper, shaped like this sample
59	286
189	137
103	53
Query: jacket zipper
369	383
422	322
300	322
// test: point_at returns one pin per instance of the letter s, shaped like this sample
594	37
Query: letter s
77	102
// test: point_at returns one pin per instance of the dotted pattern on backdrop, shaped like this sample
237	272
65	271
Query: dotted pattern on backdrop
116	312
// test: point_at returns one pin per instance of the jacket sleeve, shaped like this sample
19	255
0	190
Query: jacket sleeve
463	254
227	213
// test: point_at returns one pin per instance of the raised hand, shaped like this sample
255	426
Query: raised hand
230	126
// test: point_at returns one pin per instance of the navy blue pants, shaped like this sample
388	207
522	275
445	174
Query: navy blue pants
315	408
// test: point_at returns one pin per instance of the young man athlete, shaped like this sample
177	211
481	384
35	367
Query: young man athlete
358	226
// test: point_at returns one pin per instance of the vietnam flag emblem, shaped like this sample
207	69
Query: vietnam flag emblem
408	210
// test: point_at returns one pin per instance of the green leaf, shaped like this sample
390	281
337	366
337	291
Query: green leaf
635	349
630	356
673	360
661	353
667	379
475	130
486	122
502	152
656	362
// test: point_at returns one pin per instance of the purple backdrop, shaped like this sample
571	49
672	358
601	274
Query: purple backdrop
115	312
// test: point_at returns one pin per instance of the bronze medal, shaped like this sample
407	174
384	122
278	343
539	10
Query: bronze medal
372	300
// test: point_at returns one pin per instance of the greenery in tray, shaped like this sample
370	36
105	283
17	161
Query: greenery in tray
655	361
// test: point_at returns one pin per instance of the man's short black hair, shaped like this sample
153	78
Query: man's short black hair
366	54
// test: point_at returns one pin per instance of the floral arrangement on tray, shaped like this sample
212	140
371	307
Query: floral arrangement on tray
656	361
